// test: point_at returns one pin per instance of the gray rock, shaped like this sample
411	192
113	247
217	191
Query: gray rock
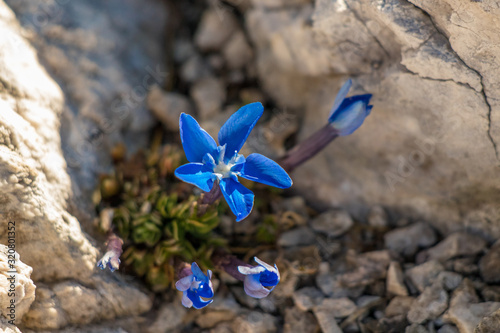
429	305
297	237
326	321
336	307
170	317
194	69
464	311
399	305
447	329
466	266
449	280
214	30
255	322
210	319
456	244
378	217
208	95
423	275
297	321
243	298
168	106
415	328
489	324
237	51
370	266
491	293
307	298
489	264
407	240
395	280
333	223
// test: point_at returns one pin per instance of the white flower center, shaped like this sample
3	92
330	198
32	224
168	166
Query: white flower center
223	169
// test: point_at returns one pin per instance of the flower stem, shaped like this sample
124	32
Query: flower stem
208	199
229	264
308	148
182	269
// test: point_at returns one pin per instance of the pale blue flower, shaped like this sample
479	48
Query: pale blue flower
211	162
110	260
260	280
348	114
195	286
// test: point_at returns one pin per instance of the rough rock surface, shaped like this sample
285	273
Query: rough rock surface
42	128
420	59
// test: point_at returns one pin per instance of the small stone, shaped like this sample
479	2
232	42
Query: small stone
395	280
489	264
407	240
326	321
429	305
423	275
447	329
491	293
399	305
415	328
255	322
216	61
237	51
378	217
392	324
337	307
466	266
208	95
456	244
333	223
183	49
449	280
214	30
194	69
489	324
370	267
307	298
297	321
168	106
295	204
170	317
297	237
243	298
212	318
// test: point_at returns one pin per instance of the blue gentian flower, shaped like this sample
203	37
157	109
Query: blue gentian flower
348	114
110	260
195	286
211	162
260	280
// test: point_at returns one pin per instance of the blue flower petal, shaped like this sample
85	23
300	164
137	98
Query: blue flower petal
198	273
197	174
205	290
269	279
184	283
340	96
195	140
198	303
264	170
254	288
349	119
239	198
235	131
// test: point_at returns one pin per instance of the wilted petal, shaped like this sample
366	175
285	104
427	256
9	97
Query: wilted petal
195	140
186	301
197	174
348	119
236	129
254	288
238	197
184	283
264	170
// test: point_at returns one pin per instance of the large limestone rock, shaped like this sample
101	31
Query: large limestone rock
430	144
52	139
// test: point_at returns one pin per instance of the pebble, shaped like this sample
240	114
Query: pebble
336	307
423	275
297	321
170	317
297	237
326	321
194	69
208	94
237	51
212	318
377	217
491	293
307	298
370	267
407	240
168	106
489	265
395	280
399	305
456	244
489	324
447	329
214	30
449	280
255	322
428	305
415	328
332	223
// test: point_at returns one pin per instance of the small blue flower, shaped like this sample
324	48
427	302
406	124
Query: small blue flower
210	162
195	286
348	114
110	260
258	279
